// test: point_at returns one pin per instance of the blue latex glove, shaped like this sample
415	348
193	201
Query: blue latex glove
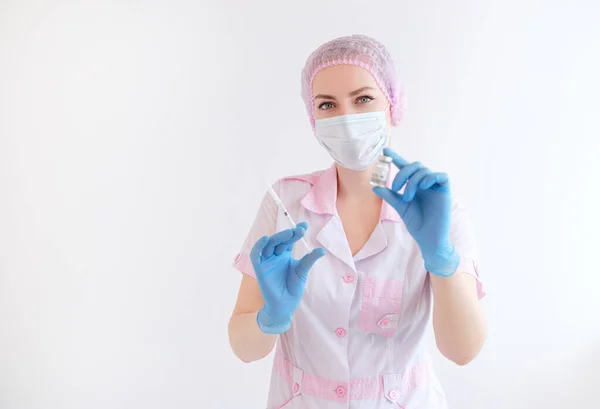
425	207
281	278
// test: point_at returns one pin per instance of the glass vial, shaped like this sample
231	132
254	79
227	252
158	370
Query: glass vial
381	172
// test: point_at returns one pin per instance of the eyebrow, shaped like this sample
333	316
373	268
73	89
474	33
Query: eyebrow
353	93
358	91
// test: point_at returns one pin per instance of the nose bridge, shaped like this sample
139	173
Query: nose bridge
346	107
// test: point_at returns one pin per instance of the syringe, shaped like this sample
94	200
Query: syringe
285	212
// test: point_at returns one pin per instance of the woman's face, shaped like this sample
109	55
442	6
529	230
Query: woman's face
347	89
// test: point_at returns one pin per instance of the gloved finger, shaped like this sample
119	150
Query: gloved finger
257	249
405	174
304	225
275	240
297	278
283	237
280	249
414	183
299	232
440	179
398	160
287	246
393	198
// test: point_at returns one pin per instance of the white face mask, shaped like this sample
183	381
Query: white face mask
354	141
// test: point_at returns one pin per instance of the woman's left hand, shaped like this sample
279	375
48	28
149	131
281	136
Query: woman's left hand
425	207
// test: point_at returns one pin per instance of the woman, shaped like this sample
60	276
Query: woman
351	334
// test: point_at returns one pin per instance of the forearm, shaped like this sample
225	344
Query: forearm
247	341
458	321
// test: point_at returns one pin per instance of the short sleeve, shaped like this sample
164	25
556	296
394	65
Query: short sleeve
265	224
463	239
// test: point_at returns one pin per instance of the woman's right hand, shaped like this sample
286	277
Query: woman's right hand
281	278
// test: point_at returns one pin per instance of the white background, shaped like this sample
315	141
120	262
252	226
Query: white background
135	140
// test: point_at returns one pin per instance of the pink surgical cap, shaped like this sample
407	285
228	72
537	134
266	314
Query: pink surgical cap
360	51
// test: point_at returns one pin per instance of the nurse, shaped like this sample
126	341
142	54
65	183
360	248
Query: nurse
348	320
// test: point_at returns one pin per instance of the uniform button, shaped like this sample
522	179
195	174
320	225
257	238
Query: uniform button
393	394
340	391
296	387
389	321
349	278
341	332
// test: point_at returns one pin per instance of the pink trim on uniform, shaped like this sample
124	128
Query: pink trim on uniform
242	263
469	266
322	197
356	389
380	295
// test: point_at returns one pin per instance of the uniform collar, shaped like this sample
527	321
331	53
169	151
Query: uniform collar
323	196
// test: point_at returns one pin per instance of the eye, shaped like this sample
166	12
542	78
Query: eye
364	99
326	105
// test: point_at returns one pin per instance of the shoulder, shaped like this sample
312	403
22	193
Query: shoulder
294	188
301	182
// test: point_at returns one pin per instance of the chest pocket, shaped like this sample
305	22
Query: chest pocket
381	306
